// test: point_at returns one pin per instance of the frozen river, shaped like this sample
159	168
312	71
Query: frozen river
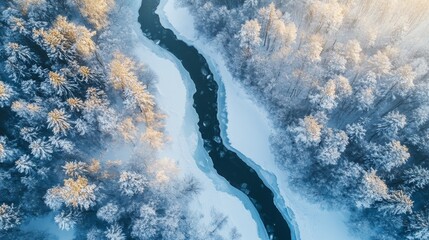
227	163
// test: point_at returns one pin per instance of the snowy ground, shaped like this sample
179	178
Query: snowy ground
175	90
46	224
246	127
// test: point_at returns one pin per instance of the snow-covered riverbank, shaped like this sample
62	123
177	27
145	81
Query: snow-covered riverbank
246	128
175	90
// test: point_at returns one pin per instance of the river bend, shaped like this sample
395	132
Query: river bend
226	162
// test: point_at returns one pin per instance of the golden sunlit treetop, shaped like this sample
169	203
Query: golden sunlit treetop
96	11
78	192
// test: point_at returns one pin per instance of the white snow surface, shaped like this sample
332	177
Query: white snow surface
246	128
174	97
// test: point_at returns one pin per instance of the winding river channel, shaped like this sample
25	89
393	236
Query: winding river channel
226	162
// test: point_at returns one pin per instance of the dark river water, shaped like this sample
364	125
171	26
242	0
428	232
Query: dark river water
226	162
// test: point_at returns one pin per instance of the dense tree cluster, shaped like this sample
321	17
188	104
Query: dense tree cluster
346	83
67	96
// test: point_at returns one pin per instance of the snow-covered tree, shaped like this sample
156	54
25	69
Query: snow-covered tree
283	36
29	111
53	198
373	189
353	52
365	98
95	234
85	46
312	48
5	150
365	91
109	213
418	227
41	149
215	18
333	144
85	74
249	36
343	87
132	183
146	226
66	221
81	127
391	124
6	94
77	193
25	165
405	77
397	153
336	63
380	63
387	157
420	115
19	57
250	3
114	232
107	119
75	104
75	168
127	129
268	16
397	203
417	176
64	39
348	176
326	98
9	217
154	137
326	15
61	145
308	131
123	77
356	131
28	134
80	36
58	121
96	11
59	83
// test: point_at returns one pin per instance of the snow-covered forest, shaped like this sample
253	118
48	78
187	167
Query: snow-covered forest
80	130
346	84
